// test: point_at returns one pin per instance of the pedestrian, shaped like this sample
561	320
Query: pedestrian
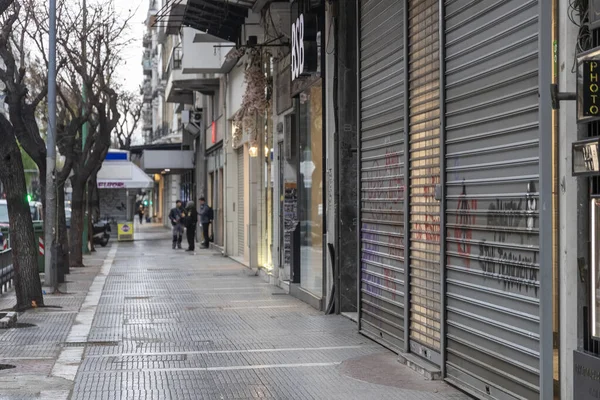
176	216
206	217
191	220
141	213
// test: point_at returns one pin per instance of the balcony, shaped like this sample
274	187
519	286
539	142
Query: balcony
204	53
147	40
180	86
147	61
146	91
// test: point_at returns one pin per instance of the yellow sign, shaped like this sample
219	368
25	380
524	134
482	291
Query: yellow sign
125	232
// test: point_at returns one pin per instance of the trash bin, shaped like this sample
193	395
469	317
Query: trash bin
38	231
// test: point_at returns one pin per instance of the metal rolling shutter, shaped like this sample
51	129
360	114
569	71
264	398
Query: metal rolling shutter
492	198
424	134
240	203
382	171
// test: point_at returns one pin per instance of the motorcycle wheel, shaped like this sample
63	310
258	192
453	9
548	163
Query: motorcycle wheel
104	242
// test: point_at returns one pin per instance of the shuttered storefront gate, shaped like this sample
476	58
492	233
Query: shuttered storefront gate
424	156
492	272
240	202
381	89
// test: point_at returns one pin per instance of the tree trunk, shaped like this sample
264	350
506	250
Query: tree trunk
28	287
62	238
77	220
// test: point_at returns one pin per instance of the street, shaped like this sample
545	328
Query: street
156	323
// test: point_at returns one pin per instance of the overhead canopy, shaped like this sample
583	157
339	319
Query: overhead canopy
220	18
123	175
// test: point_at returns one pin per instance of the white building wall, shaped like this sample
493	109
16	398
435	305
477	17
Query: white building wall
234	92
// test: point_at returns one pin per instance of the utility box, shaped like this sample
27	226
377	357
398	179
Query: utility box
125	232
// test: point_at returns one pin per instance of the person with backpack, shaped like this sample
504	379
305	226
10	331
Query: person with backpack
206	217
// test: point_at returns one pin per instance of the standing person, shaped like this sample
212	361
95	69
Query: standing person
176	216
206	216
191	220
141	213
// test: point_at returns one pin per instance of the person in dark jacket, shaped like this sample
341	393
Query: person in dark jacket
176	216
191	220
206	216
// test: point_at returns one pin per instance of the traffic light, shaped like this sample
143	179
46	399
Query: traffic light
146	203
28	198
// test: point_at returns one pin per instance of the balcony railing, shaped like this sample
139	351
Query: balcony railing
147	40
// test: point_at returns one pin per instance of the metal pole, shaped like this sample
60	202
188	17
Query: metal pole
545	189
84	135
49	225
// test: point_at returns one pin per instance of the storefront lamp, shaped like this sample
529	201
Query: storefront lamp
253	151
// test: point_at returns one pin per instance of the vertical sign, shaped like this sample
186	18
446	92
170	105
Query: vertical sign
214	132
305	49
591	88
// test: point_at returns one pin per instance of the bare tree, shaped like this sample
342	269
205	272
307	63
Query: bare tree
93	54
130	107
28	287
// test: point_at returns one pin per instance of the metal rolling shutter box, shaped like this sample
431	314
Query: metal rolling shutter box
492	135
381	105
240	203
424	156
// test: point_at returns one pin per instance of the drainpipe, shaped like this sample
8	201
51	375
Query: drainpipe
555	197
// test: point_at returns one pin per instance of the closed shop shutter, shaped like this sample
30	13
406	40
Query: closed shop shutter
424	166
382	172
492	299
240	202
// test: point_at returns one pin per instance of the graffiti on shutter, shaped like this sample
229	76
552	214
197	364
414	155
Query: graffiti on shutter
492	243
382	173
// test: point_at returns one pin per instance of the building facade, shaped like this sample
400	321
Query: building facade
400	162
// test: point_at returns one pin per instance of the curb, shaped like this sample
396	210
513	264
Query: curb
9	320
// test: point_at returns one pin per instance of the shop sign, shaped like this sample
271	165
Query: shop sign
585	157
111	185
305	54
591	88
588	86
586	376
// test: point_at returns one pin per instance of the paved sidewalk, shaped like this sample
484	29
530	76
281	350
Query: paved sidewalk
37	343
174	325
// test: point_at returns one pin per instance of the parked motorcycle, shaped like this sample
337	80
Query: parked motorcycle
101	233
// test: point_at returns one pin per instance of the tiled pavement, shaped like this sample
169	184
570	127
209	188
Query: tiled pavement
34	347
174	325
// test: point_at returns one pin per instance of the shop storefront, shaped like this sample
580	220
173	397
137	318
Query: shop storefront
307	89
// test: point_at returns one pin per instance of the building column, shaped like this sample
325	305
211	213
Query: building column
573	241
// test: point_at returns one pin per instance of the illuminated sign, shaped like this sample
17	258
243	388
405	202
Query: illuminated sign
305	49
591	88
585	157
588	86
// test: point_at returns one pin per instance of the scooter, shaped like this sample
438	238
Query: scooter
101	233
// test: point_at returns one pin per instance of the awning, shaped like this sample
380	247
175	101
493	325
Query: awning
220	18
123	175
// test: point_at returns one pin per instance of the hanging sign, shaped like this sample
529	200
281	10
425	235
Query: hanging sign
585	159
304	46
588	86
